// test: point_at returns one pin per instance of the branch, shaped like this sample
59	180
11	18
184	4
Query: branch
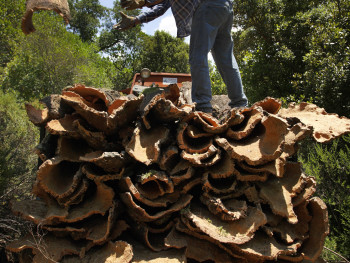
335	253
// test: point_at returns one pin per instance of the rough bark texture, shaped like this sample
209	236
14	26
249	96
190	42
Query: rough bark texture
188	185
59	6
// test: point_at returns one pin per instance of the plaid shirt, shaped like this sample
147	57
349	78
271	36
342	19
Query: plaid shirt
183	11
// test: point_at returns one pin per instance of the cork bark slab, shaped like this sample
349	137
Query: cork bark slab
59	6
326	126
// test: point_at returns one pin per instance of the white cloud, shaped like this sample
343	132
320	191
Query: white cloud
167	24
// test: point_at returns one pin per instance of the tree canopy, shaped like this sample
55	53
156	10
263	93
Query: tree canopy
298	50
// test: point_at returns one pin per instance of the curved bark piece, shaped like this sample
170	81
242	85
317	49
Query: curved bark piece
37	116
38	212
123	115
59	178
252	117
182	172
116	252
119	227
145	144
97	203
76	97
57	109
64	126
77	196
97	119
143	255
309	189
192	145
111	162
46	149
161	110
100	98
252	195
152	237
98	175
291	233
99	229
140	214
69	149
198	249
96	140
319	229
305	218
297	133
291	258
218	185
269	168
127	185
243	175
74	233
195	133
234	117
48	248
154	184
271	105
170	158
235	253
278	192
209	158
206	122
223	168
49	212
263	247
260	149
188	185
326	126
61	7
227	232
117	103
226	210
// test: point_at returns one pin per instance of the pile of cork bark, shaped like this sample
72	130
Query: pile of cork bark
146	178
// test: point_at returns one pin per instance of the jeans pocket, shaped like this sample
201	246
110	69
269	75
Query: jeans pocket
215	15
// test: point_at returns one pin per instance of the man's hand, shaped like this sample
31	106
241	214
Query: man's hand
132	4
126	23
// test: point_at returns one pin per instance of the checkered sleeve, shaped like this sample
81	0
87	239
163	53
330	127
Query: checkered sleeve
154	12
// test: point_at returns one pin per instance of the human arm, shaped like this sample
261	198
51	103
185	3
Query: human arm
134	4
155	11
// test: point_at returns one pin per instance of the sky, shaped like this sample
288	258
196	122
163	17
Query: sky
163	23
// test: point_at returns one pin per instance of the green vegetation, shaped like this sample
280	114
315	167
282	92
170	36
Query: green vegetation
330	165
17	140
293	50
52	58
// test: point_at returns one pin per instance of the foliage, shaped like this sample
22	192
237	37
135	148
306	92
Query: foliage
218	86
330	164
17	140
123	48
10	18
86	16
165	53
52	58
295	48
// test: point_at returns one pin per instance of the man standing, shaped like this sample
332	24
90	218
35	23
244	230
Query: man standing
209	22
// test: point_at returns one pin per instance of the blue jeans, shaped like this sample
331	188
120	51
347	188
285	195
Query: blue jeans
211	31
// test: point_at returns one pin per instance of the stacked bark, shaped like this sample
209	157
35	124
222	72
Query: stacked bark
118	168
